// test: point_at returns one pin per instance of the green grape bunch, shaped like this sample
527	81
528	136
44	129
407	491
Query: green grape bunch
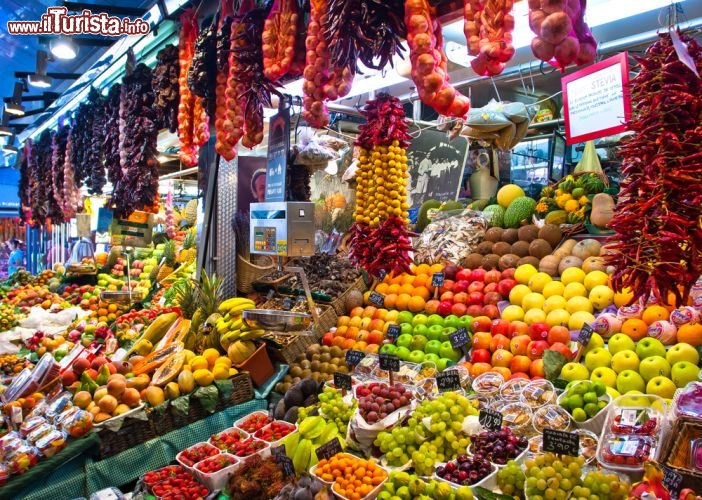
332	405
511	479
550	476
601	486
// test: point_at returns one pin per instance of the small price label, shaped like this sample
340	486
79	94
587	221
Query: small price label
448	380
393	332
376	299
342	381
270	294
562	443
672	480
381	274
437	279
328	450
353	357
459	338
283	460
585	335
490	419
287	303
389	362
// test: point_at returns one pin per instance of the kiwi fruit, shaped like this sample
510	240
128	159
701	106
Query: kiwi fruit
528	233
490	261
296	371
315	366
305	364
473	261
551	233
520	248
501	248
510	235
539	248
508	261
494	234
485	248
528	260
325	358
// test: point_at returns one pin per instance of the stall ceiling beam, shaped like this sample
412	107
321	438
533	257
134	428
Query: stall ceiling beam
57	76
31	112
46	96
90	41
108	9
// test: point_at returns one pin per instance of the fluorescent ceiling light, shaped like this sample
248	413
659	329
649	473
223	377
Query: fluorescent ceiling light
4	129
64	47
39	78
15	106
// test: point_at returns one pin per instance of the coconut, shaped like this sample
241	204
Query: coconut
494	234
510	235
551	233
528	233
508	261
491	261
528	260
539	248
353	299
473	261
520	248
485	248
502	248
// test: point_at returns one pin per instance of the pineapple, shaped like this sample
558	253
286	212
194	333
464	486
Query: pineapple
169	261
210	296
189	253
190	212
187	297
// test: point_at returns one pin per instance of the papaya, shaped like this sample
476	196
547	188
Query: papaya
169	370
156	359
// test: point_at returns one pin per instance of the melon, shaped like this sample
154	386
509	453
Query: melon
520	209
508	193
586	248
495	215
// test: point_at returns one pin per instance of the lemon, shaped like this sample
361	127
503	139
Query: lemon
524	273
624	297
533	301
220	372
574	290
577	303
553	288
223	360
211	356
558	317
595	278
203	377
578	319
233	371
538	281
513	313
189	355
554	302
534	316
572	275
517	294
198	363
601	296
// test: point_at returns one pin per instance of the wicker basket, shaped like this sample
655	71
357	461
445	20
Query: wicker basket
339	304
132	433
677	450
247	272
294	346
327	319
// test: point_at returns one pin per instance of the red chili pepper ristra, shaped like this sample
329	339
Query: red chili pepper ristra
658	246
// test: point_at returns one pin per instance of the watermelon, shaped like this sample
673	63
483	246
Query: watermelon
520	209
495	215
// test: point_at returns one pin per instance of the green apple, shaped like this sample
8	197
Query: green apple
402	353
404	340
420	319
634	398
625	360
448	352
406	329
405	317
433	357
418	342
452	320
388	349
654	366
596	342
444	363
598	357
620	342
466	322
613	393
661	386
682	352
420	330
435	319
605	375
447	330
574	371
650	347
684	372
416	356
629	380
433	347
434	332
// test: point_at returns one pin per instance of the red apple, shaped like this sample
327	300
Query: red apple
499	342
459	309
476	286
493	276
475	298
478	275
539	331
447	297
490	287
519	375
520	364
519	345
450	271
536	370
480	356
463	275
328	339
563	349
505	286
481	324
518	328
444	308
447	286
491	311
508	274
461	297
500	326
460	286
536	348
475	310
492	298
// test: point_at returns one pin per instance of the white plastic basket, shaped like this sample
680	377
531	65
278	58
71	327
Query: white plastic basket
216	480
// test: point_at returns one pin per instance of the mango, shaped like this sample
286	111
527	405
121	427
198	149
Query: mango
186	382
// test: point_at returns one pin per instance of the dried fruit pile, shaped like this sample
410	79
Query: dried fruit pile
658	245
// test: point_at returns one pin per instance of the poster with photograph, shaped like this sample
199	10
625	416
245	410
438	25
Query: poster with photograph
251	185
435	167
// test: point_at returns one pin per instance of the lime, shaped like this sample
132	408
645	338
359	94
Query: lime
591	409
575	401
579	415
599	388
590	397
601	404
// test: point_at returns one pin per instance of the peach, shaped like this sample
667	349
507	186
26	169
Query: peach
120	410
82	399
131	397
115	387
68	378
80	365
101	417
98	362
520	364
108	404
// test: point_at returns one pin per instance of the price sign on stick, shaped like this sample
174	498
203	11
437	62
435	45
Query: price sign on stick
448	380
376	299
342	381
393	332
562	443
389	362
329	449
585	335
437	279
459	338
353	357
672	480
490	419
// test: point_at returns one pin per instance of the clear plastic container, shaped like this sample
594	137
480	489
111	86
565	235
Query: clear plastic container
21	459
588	445
688	401
61	403
487	482
4	474
78	424
696	454
217	479
30	424
488	384
626	452
50	444
364	369
39	432
248	425
197	452
9	443
637	414
154	477
512	389
538	393
289	429
225	440
259	447
408	372
595	423
551	416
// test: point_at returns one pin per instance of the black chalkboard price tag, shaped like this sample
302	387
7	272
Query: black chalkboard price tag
376	299
585	335
490	419
353	357
393	332
381	274
389	362
562	443
329	449
342	381
287	303
448	380
672	481
283	460
459	338
437	279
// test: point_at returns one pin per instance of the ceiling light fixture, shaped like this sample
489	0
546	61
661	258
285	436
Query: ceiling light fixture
15	107
4	129
64	47
8	147
39	78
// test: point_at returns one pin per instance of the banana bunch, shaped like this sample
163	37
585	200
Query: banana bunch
230	326
235	306
312	433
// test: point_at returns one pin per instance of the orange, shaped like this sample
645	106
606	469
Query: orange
389	301
394	289
339	341
348	344
407	279
423	292
655	313
423	269
690	333
416	304
341	330
402	301
382	288
635	328
365	297
407	288
420	280
436	268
